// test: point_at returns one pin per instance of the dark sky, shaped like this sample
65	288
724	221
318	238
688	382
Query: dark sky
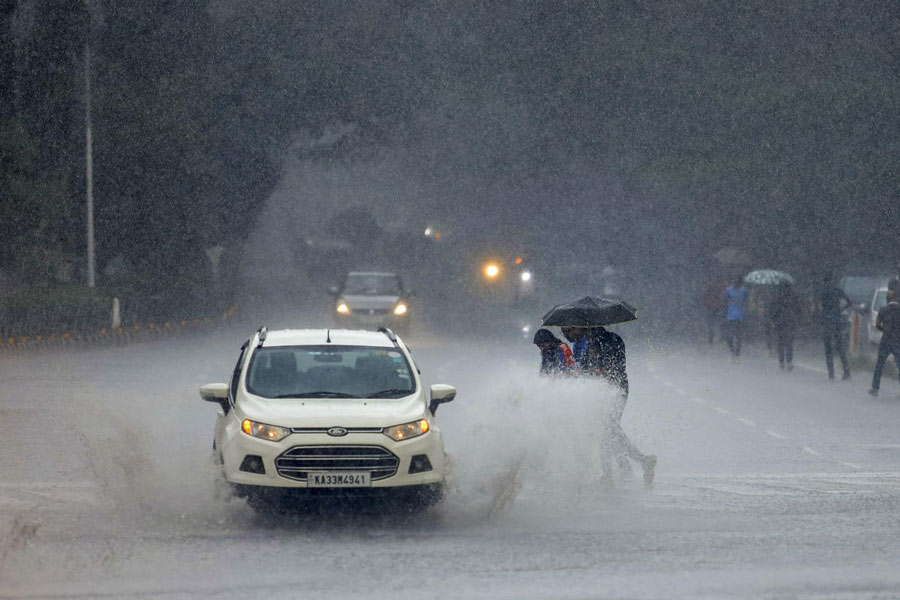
645	129
646	132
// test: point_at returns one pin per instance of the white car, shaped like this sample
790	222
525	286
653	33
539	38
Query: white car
328	412
879	300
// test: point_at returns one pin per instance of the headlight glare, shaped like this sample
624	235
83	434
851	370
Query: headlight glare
343	309
400	309
272	433
407	430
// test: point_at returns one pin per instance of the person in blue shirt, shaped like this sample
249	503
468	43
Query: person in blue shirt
736	310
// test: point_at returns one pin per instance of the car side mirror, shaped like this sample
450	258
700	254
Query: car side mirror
441	394
215	392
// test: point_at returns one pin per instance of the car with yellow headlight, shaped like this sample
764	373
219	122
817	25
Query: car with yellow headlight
328	412
372	299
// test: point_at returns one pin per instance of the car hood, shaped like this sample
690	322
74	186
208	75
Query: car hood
368	302
332	412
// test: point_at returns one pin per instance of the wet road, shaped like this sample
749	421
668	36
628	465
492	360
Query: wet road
769	484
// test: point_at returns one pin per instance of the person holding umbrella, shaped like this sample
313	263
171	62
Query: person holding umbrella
601	353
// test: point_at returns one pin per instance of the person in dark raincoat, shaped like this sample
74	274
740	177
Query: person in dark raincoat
601	353
556	356
834	325
784	313
888	322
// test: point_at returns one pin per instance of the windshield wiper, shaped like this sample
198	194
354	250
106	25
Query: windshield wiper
322	394
391	392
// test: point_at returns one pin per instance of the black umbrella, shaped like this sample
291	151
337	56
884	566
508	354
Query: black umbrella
589	312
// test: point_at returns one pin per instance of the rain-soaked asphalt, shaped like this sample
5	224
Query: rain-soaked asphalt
769	484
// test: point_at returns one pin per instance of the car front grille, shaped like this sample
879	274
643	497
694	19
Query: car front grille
297	462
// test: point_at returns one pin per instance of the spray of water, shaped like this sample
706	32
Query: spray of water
538	438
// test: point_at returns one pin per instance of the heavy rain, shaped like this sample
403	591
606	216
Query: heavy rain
397	197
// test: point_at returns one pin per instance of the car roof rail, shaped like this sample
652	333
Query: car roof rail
391	335
262	331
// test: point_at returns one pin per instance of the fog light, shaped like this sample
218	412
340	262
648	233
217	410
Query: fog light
253	464
419	464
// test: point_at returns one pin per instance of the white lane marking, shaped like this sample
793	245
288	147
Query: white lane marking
680	391
746	422
850	464
698	400
666	383
878	446
721	410
809	450
811	368
775	434
15	493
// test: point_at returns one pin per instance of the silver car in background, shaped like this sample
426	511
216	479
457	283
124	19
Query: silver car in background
372	299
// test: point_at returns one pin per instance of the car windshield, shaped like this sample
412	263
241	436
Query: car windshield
880	300
372	284
329	372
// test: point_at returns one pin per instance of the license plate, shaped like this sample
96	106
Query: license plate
338	479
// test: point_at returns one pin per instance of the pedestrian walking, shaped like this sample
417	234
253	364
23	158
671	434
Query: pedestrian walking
784	313
888	322
736	296
713	308
894	282
601	353
834	325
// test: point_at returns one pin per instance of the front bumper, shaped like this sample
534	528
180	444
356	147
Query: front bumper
287	463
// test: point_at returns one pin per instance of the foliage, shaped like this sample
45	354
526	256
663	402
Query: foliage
55	310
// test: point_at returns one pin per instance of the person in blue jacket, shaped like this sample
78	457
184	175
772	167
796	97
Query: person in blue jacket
736	311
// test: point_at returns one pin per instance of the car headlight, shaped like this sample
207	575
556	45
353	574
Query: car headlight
407	430
343	309
400	309
273	433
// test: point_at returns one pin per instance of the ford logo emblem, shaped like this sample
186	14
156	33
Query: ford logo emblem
337	431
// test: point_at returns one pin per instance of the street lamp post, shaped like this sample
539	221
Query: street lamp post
89	164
